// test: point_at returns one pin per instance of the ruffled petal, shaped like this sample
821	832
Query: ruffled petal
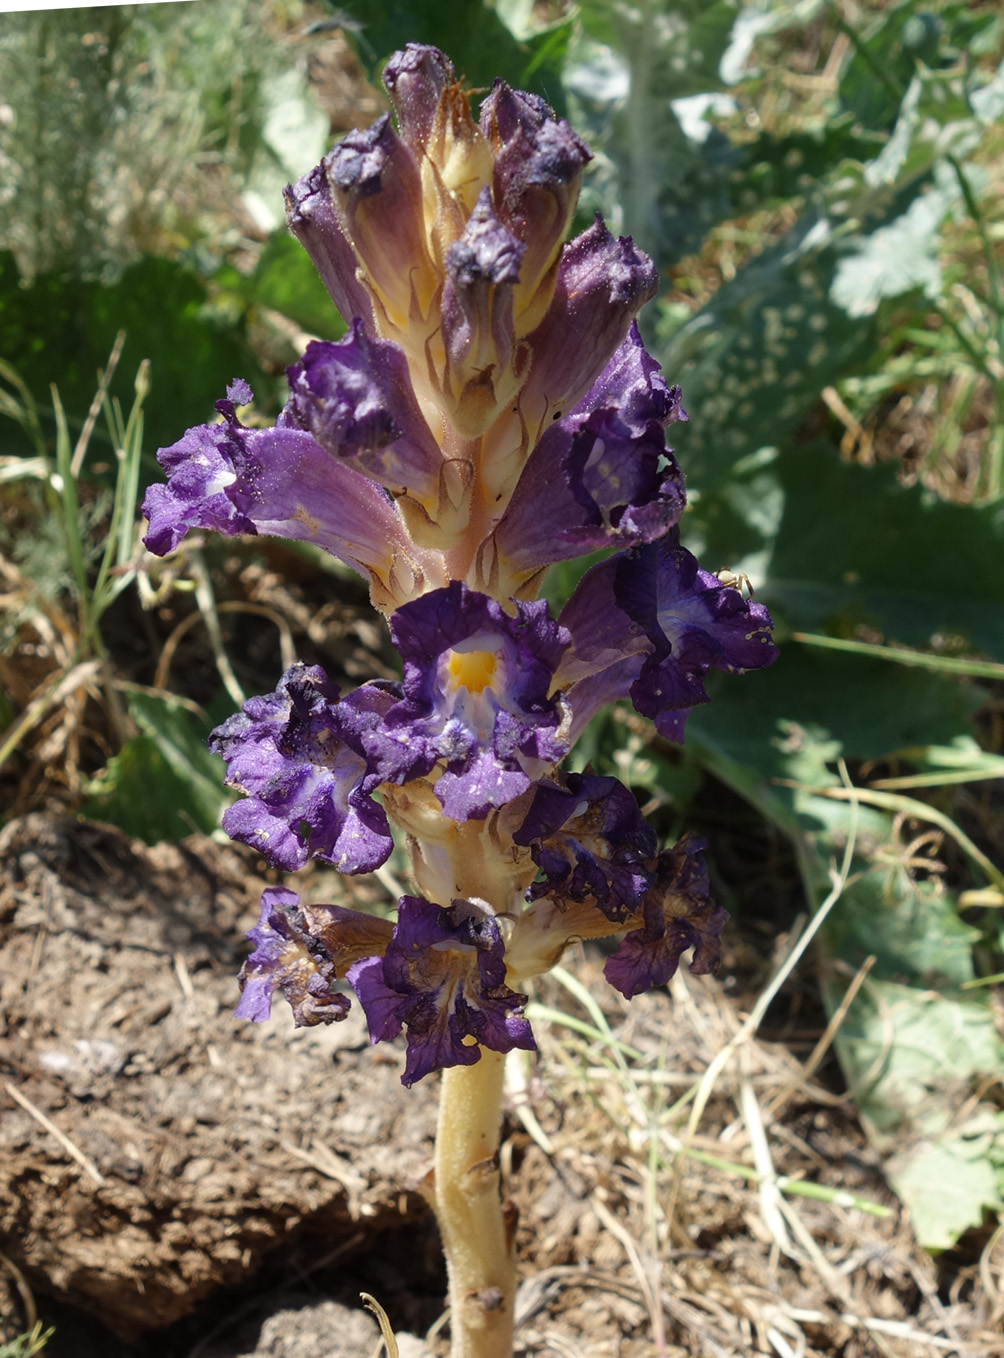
649	624
442	979
678	913
355	397
302	758
476	695
590	841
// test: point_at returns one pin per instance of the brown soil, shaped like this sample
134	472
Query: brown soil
153	1150
177	1185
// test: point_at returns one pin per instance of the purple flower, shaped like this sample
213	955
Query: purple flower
376	186
589	840
601	286
476	684
417	80
535	185
314	220
482	270
355	397
301	757
603	471
442	978
677	914
304	950
648	624
280	482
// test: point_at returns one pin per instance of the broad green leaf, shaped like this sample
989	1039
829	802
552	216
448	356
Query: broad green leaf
61	329
854	547
912	1057
293	138
948	1185
286	281
628	69
899	257
911	928
164	784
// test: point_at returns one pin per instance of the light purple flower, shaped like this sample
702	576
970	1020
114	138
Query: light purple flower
280	482
482	270
442	978
602	284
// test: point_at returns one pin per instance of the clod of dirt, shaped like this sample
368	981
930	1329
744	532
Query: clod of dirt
152	1148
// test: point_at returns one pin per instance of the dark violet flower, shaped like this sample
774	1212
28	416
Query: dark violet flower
303	950
200	469
648	624
677	914
417	80
476	684
301	757
376	185
355	397
603	471
601	286
589	839
492	411
314	220
442	978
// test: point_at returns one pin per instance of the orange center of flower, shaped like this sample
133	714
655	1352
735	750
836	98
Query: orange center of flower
473	670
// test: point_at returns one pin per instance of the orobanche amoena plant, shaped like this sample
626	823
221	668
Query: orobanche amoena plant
491	411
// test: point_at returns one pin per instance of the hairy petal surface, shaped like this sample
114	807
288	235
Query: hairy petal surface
442	979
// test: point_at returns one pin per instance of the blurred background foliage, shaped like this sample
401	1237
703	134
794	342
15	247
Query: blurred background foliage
821	184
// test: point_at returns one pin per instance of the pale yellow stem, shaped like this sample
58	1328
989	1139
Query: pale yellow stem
472	1221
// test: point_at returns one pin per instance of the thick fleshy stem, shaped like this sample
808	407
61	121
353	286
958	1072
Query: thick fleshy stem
472	1220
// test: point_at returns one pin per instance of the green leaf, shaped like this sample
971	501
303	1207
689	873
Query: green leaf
627	68
164	784
912	1058
292	140
899	257
286	281
910	928
949	1185
854	547
61	329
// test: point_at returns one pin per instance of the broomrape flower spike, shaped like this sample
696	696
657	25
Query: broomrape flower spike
491	411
